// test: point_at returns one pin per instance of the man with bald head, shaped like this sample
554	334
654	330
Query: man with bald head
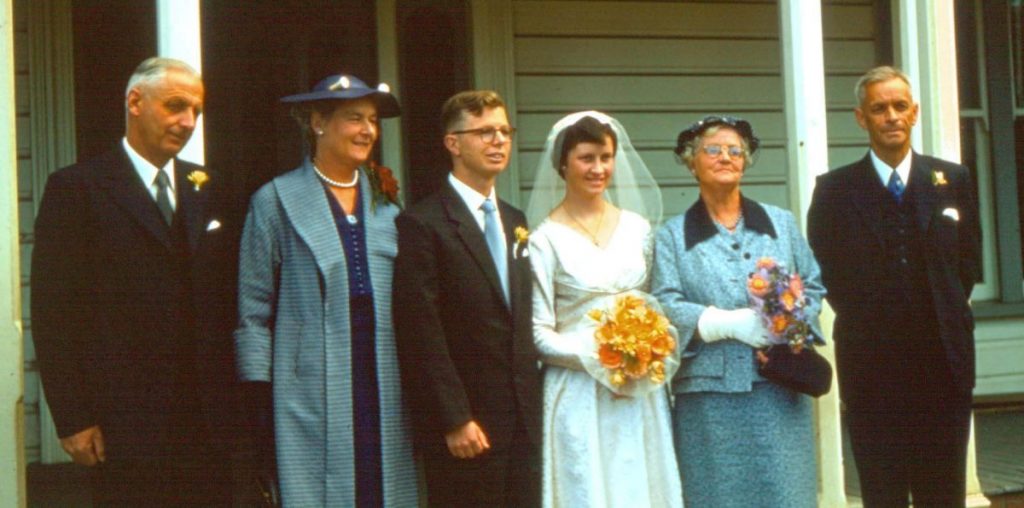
132	304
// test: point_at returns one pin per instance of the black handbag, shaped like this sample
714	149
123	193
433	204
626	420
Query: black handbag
805	372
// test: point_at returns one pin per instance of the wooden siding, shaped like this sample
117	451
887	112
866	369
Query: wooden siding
658	66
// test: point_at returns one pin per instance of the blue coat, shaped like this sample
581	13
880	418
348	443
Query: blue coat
695	267
294	331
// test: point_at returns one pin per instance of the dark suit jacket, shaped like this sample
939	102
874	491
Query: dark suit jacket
844	229
133	332
463	353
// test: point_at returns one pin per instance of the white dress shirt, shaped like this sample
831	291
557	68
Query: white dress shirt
474	200
885	171
147	172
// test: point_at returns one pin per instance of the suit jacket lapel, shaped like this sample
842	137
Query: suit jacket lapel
130	193
305	202
469	232
923	191
191	202
868	195
509	225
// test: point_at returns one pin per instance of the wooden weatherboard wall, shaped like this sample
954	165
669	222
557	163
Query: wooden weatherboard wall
659	66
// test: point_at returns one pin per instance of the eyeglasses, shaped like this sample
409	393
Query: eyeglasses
717	150
489	134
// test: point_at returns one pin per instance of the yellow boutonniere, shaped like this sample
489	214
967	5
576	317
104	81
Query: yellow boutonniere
522	236
938	178
198	178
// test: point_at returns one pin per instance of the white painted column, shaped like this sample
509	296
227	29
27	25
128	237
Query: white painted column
387	68
926	31
807	154
493	43
12	458
178	36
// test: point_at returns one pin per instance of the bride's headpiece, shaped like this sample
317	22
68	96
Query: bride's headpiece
632	186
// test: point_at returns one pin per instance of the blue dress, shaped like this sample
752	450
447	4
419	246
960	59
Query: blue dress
365	393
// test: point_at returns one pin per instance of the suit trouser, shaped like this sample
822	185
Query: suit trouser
913	442
506	477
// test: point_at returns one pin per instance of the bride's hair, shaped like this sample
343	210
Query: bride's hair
587	130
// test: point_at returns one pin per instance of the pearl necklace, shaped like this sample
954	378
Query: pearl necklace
735	223
335	183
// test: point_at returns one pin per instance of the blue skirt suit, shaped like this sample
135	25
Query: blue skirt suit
740	439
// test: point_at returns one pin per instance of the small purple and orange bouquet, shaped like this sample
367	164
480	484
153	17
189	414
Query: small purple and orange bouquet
778	297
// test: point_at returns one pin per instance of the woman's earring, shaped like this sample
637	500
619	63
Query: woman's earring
319	132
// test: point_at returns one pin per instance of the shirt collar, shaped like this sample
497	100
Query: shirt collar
146	170
474	200
885	171
698	225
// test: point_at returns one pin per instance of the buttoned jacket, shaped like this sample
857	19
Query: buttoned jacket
697	263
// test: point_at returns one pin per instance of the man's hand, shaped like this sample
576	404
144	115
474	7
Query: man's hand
85	447
467	441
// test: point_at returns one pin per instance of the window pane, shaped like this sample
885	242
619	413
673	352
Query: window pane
967	54
1017	47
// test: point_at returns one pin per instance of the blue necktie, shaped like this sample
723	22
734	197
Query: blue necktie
895	186
493	232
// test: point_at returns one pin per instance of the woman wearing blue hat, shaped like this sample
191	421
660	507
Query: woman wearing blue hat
740	439
315	308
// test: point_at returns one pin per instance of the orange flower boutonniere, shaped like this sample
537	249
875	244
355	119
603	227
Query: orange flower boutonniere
383	184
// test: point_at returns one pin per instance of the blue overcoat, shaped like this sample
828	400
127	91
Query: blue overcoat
294	331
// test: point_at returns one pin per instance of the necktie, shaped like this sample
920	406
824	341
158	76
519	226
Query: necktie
493	232
895	186
163	198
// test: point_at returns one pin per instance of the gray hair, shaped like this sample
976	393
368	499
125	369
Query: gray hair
877	75
154	69
691	147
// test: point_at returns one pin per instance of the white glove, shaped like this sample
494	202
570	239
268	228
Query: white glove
743	325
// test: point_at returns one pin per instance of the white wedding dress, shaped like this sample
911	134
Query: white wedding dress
600	448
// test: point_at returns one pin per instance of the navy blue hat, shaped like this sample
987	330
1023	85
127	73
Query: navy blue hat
343	87
740	125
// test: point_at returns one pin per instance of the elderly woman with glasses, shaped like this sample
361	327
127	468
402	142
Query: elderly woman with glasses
315	328
740	439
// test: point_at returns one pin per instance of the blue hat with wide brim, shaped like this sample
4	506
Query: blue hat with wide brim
346	87
741	126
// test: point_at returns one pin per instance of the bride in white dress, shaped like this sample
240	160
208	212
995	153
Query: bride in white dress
604	445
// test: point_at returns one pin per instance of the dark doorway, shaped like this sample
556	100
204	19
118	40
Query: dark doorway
254	53
433	65
103	64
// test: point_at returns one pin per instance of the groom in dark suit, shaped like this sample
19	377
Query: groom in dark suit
897	238
133	304
462	313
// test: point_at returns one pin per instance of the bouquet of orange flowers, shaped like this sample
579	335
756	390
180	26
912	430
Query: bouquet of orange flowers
633	340
778	297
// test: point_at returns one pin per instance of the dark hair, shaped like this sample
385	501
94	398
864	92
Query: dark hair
303	114
471	101
586	130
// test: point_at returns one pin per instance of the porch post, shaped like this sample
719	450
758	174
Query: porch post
178	36
807	154
927	52
12	458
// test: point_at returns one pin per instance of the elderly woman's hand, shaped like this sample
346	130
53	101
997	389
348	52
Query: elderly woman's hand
743	325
